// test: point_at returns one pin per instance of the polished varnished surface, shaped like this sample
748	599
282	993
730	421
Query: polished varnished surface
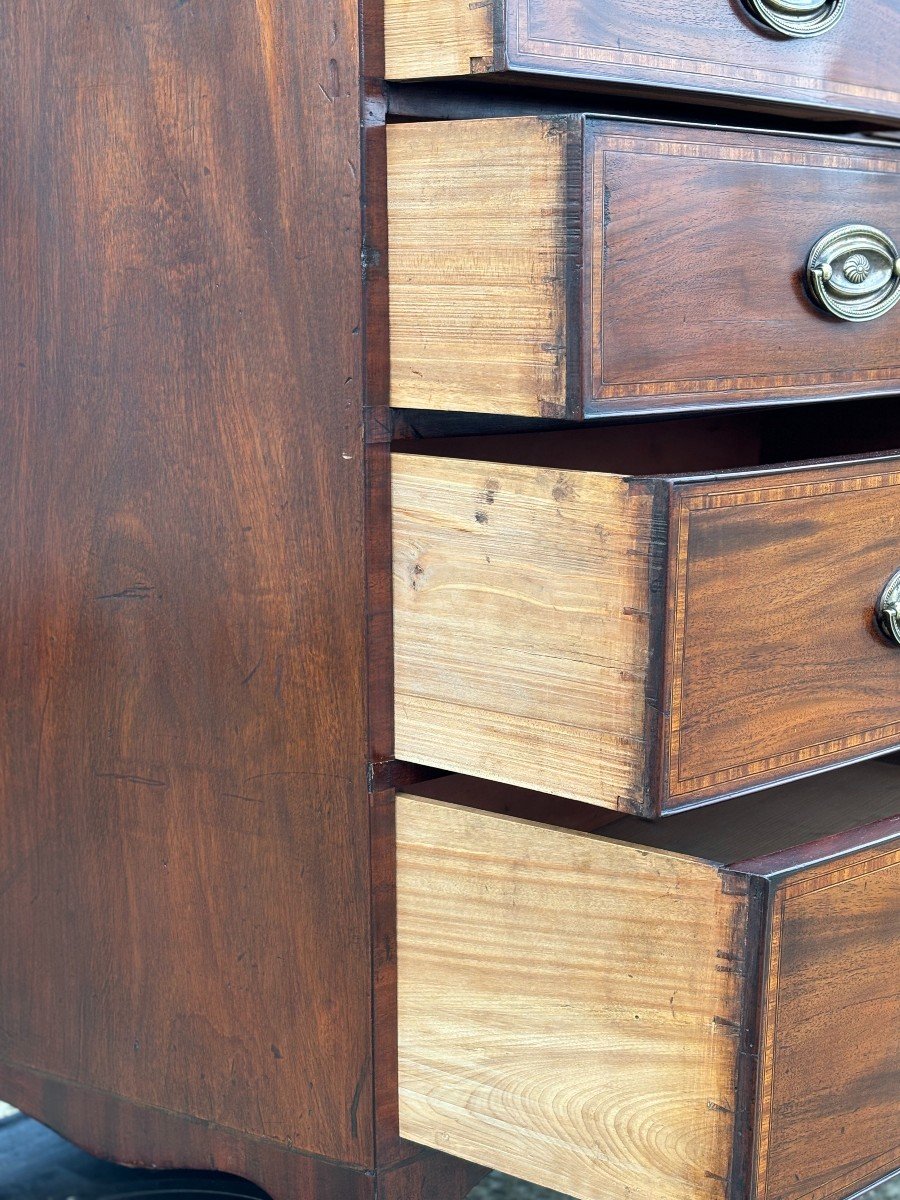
775	661
712	48
715	302
184	838
831	1067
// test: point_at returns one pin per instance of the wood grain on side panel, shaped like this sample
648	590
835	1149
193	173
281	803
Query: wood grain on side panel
183	814
521	625
477	214
549	1025
423	38
829	1120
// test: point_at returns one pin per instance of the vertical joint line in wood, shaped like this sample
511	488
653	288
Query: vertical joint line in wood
657	686
500	19
753	953
573	272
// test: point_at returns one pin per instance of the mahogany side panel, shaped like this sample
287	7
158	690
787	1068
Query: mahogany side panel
183	812
140	1136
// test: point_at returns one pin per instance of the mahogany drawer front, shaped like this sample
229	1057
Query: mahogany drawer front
641	643
576	267
715	47
618	1020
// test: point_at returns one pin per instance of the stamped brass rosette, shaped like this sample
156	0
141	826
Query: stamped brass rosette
854	273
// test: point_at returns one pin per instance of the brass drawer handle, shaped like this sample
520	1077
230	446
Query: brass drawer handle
854	273
887	610
798	18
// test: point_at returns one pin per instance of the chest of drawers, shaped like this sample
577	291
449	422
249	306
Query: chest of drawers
449	537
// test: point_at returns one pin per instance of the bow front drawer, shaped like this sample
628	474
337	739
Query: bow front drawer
806	53
575	267
646	1013
643	641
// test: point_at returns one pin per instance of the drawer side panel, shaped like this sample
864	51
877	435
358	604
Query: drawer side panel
521	625
479	265
432	38
546	1025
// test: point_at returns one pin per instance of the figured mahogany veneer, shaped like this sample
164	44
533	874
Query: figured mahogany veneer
713	50
579	267
641	642
188	854
700	1010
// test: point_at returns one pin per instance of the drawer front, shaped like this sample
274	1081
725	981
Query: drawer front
586	1011
714	308
642	644
831	1031
717	47
775	662
581	268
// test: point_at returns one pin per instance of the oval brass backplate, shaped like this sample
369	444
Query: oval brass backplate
798	18
887	610
854	273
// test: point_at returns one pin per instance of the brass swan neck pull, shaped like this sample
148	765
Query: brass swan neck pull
798	18
854	273
887	610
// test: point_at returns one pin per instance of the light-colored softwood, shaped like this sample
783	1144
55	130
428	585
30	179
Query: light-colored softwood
477	232
520	625
550	1025
641	643
425	39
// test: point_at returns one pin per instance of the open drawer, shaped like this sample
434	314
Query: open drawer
580	267
644	617
703	1008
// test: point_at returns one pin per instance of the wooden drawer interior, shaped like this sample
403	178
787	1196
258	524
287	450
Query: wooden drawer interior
701	1008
